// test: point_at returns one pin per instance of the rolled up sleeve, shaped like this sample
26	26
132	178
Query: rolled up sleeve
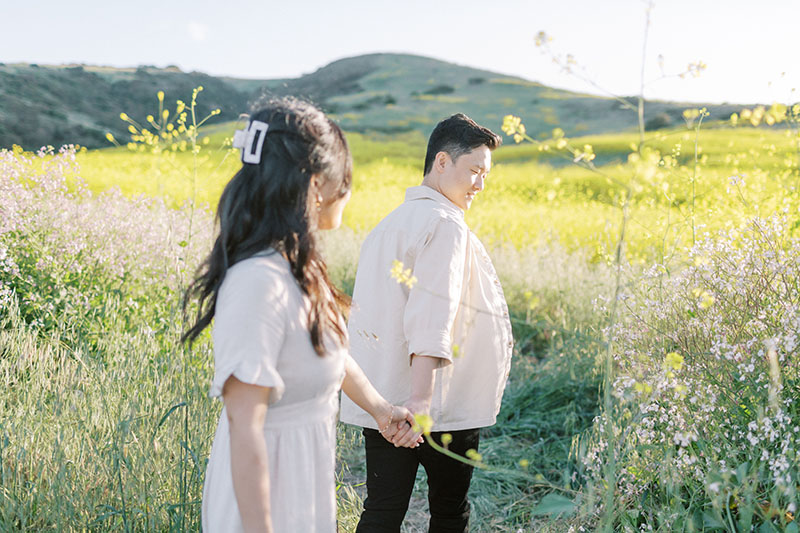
434	299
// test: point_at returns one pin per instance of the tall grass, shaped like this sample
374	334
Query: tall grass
93	432
105	422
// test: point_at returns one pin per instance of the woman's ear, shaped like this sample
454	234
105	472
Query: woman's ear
315	190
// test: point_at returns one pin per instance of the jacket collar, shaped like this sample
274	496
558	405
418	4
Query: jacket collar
423	191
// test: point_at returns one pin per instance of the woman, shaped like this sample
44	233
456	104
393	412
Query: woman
279	332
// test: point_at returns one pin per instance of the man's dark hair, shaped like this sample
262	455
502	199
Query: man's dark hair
456	136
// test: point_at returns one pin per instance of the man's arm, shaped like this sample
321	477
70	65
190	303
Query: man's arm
434	299
431	308
422	378
389	418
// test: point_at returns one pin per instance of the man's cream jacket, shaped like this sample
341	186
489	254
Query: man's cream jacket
454	310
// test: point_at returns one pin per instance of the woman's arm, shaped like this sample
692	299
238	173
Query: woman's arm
389	418
246	408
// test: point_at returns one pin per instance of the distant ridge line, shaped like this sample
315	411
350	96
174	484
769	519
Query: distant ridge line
382	92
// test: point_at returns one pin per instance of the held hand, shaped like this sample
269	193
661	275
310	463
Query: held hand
406	434
398	428
418	407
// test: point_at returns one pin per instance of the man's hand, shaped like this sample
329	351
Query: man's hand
397	429
404	431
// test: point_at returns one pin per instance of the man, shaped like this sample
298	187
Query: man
439	343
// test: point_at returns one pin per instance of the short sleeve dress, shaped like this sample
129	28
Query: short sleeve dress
261	337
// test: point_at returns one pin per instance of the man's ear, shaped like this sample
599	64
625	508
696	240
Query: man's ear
441	160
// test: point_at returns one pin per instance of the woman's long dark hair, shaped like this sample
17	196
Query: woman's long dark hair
267	205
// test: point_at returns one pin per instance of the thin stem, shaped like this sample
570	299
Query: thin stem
484	466
694	172
610	471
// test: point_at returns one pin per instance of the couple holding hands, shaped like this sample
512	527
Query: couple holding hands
438	344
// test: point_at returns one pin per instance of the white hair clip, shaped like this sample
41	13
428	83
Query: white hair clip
251	140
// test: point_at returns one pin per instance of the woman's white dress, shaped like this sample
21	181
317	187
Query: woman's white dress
261	337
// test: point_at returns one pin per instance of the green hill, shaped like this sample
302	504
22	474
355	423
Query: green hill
79	104
400	93
387	93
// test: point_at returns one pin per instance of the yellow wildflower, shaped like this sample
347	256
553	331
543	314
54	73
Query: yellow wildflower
706	301
402	275
674	361
510	124
474	455
542	38
424	423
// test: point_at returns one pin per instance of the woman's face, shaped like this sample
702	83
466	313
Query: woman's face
330	210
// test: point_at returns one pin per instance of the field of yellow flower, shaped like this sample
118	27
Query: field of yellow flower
533	196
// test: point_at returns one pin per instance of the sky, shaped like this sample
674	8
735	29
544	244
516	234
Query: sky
748	46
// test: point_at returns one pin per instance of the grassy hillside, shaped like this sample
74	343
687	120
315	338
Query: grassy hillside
400	93
389	93
42	106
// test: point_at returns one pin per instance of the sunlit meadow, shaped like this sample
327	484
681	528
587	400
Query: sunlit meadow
655	376
535	194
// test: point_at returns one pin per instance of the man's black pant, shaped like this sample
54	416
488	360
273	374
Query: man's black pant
391	473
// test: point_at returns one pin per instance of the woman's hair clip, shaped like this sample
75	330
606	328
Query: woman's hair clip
251	140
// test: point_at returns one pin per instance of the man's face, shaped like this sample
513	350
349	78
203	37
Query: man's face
463	178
